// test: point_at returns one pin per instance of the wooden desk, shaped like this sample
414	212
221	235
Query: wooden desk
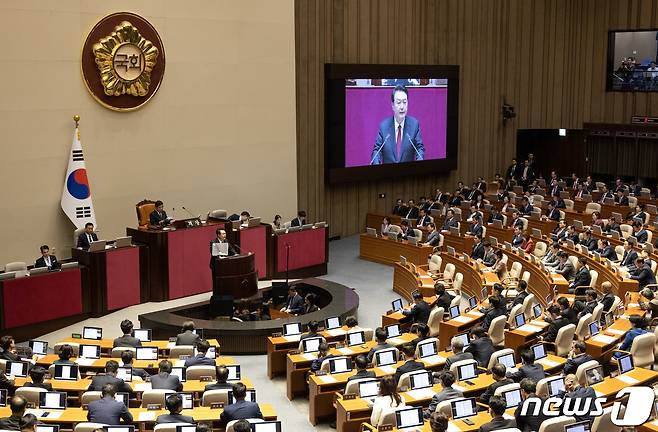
350	414
99	364
298	365
107	344
386	251
140	415
609	387
523	336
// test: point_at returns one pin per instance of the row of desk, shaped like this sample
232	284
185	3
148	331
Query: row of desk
161	265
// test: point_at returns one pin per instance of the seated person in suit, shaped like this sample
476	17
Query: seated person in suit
612	225
528	422
158	217
498	308
567	311
517	238
323	354
419	312
651	305
380	338
447	379
450	221
400	208
607	251
200	359
640	233
498	373
411	210
529	368
187	337
497	406
457	346
29	423
127	360
577	356
621	198
522	293
552	213
361	363
642	273
433	236
638	327
294	302
386	226
65	354
551	259
526	208
629	257
87	237
299	220
608	298
36	374
489	258
438	422
443	297
221	381
423	219
588	241
312	332
309	303
572	234
422	332
174	404
8	351
573	389
405	232
565	268
352	324
410	363
47	260
240	409
110	377
108	410
590	303
560	232
164	380
481	345
17	405
127	340
582	278
477	252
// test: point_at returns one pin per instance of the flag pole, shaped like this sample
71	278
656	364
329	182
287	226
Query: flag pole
76	119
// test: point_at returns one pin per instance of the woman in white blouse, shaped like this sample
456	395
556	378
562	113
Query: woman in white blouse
386	226
388	400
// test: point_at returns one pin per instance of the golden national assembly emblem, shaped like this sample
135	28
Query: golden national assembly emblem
123	61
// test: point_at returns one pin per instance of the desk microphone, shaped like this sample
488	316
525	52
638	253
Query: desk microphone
420	157
380	149
189	212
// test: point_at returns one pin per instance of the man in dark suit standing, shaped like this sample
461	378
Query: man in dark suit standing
110	377
399	138
294	302
299	220
200	358
240	409
107	410
420	311
217	254
85	238
164	380
47	260
127	340
187	337
158	217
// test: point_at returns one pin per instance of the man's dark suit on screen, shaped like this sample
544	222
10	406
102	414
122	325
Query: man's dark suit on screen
385	151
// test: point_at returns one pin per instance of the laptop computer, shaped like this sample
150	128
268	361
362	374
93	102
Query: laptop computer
369	389
90	351
122	397
122	242
539	351
332	323
392	331
143	335
594	328
409	417
67	372
625	364
179	372
396	305
467	372
17	368
39	347
594	375
125	373
97	246
267	426
52	400
371	232
555	385
427	349
185	428
454	311
512	398
93	333
255	221
386	357
146	353
356	338
188	399
583	426
519	320
340	365
122	428
311	345
47	428
422	379
292	329
463	337
250	397
507	360
463	408
234	372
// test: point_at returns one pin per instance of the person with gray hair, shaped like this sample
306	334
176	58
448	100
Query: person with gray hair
457	346
652	304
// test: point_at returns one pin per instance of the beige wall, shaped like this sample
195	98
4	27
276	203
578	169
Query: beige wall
220	133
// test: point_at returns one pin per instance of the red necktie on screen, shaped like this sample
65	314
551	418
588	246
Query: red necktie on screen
398	141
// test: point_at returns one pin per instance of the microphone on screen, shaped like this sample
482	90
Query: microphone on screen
420	157
380	149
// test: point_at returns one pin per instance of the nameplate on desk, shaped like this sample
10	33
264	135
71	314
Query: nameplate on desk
76	336
388	427
320	373
294	352
349	396
277	334
205	378
153	407
217	405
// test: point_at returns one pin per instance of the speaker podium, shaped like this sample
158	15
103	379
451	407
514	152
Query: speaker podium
234	277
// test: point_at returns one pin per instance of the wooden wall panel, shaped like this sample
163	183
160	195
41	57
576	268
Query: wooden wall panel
545	57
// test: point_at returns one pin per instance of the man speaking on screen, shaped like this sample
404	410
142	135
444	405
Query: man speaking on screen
398	139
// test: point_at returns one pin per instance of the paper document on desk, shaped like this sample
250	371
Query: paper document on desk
219	249
530	328
336	332
53	414
424	393
434	360
346	351
615	331
452	427
35	412
462	319
293	338
548	363
604	339
141	387
627	379
396	341
146	416
475	313
388	370
309	356
327	379
85	361
458	387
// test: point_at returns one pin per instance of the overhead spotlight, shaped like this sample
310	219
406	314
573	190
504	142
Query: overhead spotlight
508	112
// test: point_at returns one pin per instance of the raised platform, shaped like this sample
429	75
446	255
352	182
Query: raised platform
250	337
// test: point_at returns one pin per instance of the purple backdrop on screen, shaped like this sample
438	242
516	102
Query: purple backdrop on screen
366	108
